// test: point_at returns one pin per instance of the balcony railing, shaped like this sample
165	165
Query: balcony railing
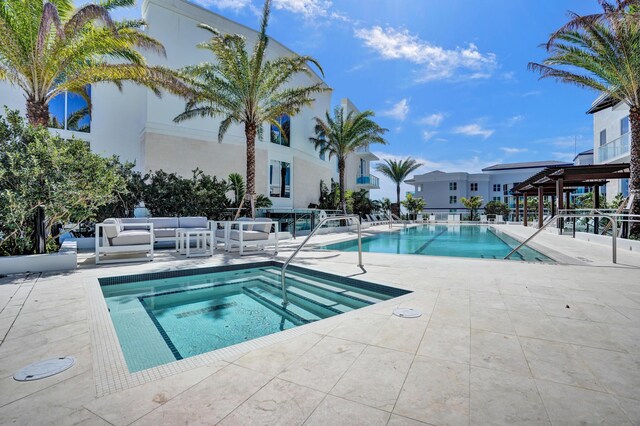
616	148
368	180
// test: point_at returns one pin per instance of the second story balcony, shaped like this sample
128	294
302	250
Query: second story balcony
614	149
368	182
364	153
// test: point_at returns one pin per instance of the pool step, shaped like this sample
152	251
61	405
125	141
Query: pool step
336	302
295	313
348	297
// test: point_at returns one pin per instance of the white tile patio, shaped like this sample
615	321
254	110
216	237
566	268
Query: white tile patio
496	344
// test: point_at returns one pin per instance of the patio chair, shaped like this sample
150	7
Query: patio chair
483	218
111	237
260	233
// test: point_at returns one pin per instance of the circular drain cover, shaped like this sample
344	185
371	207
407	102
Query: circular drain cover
46	368
407	313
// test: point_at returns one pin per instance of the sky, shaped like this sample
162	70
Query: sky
449	79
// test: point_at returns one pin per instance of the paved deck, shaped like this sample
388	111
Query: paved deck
500	342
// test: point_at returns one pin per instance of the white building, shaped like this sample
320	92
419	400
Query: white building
611	139
138	126
442	191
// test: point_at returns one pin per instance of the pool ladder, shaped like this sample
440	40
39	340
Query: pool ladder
285	301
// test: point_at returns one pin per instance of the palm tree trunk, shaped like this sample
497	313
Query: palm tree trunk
398	194
634	161
343	201
250	131
37	112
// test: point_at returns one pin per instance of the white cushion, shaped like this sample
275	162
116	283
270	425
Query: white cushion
164	222
131	238
263	225
249	235
192	222
164	232
111	227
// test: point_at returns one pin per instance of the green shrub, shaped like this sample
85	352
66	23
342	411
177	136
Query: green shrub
40	169
497	208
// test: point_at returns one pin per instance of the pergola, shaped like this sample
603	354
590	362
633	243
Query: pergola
558	180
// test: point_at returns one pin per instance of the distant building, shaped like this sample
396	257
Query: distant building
442	191
611	139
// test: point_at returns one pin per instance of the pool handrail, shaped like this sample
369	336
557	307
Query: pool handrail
596	214
313	231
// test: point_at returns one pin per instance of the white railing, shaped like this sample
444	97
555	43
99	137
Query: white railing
614	149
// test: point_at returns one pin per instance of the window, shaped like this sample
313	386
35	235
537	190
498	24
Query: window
624	125
281	137
453	199
70	111
624	187
362	167
505	189
603	137
279	179
495	199
453	186
496	187
419	188
474	186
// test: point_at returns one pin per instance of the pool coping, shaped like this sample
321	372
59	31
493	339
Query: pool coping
110	370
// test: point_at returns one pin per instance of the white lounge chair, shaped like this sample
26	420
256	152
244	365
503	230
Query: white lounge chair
111	237
260	233
483	218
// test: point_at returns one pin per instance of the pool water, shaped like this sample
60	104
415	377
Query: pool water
444	240
165	317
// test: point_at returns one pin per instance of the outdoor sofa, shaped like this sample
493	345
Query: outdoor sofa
139	235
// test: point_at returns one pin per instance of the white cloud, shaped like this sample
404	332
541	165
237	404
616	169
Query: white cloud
512	150
473	130
563	156
563	141
438	63
398	111
308	8
427	135
433	120
225	4
512	121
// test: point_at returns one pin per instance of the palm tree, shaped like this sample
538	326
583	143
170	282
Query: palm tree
398	171
473	203
247	89
414	205
602	52
342	134
50	47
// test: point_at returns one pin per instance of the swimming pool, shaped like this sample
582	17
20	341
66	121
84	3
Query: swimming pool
164	317
444	240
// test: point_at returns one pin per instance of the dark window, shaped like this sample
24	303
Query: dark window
70	111
474	186
603	137
496	187
453	186
279	179
282	135
505	189
624	125
453	199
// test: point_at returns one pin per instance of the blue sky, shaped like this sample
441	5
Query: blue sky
449	79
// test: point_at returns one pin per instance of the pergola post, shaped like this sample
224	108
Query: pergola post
559	193
596	204
540	206
525	212
567	204
517	208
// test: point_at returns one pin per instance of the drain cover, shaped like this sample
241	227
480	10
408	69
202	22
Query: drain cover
407	313
46	368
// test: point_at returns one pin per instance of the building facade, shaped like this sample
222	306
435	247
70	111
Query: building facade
611	139
443	192
138	126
